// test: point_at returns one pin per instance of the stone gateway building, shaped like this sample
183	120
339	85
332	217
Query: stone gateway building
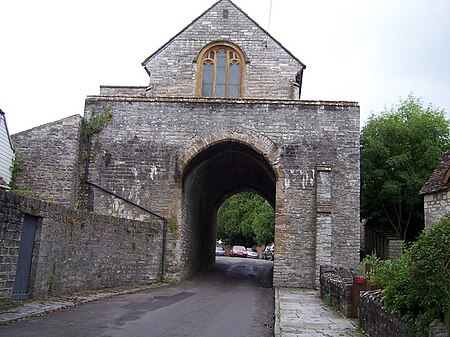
221	114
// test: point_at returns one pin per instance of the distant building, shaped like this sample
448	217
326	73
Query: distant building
6	153
436	193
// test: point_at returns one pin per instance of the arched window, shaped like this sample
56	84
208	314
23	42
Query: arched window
220	70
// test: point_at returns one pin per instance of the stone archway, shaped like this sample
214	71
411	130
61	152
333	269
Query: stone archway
212	169
167	154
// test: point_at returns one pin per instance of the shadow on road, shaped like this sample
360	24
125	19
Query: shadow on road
232	268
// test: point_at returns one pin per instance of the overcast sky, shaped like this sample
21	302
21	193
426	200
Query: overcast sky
54	53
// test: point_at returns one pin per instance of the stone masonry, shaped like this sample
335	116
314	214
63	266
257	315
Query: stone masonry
270	70
181	157
436	207
376	320
74	250
49	155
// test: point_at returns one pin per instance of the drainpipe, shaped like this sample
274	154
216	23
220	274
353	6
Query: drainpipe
164	220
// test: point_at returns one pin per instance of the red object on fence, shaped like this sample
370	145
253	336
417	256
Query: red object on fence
360	284
360	280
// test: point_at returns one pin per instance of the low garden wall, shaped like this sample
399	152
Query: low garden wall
336	288
76	250
376	320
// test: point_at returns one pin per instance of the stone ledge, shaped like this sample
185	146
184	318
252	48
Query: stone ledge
178	99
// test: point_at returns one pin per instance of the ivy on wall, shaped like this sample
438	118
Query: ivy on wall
97	121
16	167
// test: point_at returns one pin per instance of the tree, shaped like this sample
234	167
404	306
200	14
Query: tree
399	151
246	218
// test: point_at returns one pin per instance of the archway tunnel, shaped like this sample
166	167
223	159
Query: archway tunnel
211	176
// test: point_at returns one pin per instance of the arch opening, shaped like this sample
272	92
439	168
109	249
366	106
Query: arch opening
214	174
246	218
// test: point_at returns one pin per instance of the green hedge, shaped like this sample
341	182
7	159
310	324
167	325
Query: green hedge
417	285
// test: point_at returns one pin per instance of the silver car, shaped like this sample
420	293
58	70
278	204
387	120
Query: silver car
220	251
253	254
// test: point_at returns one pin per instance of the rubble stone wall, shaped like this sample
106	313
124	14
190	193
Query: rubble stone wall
336	286
376	320
75	250
141	154
49	160
436	207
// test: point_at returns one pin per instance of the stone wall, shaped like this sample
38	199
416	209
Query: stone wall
150	147
74	250
436	207
336	286
438	329
376	320
50	158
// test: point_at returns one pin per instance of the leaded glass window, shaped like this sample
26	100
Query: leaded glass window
221	72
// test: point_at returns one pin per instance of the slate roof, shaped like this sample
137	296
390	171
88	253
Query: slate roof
439	180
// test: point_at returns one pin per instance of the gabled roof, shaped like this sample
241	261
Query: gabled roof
439	180
215	4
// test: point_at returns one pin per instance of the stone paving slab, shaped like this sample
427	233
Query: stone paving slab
301	313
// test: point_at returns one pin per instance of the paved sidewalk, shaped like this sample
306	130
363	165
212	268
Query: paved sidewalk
38	308
301	313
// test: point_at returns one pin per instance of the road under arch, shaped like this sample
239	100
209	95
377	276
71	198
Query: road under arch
210	177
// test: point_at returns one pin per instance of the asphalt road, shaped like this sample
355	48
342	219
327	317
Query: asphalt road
233	298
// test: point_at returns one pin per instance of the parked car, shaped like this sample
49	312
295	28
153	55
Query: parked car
239	251
253	254
269	252
220	251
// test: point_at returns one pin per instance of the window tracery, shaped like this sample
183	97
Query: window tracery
220	71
